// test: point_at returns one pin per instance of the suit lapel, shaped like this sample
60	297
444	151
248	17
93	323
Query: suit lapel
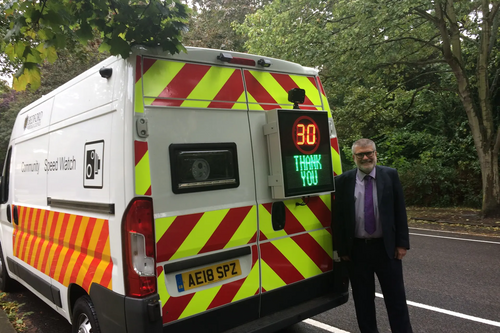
380	183
351	184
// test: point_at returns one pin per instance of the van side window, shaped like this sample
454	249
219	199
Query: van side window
5	178
203	167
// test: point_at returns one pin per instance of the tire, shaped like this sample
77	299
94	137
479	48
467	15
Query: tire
84	317
6	283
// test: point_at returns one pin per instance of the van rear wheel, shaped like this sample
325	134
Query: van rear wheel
84	317
5	280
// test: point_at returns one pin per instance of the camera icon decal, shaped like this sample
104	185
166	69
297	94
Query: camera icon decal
93	164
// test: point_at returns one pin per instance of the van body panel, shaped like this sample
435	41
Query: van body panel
187	133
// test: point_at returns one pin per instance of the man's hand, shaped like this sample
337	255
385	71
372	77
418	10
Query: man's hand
400	253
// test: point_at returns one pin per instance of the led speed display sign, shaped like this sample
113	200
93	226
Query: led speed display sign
300	152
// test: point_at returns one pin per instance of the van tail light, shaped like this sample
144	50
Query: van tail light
139	248
227	57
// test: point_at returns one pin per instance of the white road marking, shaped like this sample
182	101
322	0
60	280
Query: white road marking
332	329
456	238
448	312
325	327
452	232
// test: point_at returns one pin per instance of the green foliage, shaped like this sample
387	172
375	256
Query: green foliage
35	31
431	184
67	66
211	23
383	69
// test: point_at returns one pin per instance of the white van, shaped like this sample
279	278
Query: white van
175	194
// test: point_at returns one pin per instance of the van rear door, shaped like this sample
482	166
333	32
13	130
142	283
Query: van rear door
295	234
198	151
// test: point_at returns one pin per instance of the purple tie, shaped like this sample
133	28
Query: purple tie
369	210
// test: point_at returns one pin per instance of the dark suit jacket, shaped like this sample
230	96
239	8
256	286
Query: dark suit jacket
391	207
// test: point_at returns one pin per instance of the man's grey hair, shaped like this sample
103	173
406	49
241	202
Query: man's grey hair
363	143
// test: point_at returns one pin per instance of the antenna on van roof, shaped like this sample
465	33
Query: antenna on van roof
296	96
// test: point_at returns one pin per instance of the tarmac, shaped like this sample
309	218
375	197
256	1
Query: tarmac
5	325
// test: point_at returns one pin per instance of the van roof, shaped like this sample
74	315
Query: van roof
193	54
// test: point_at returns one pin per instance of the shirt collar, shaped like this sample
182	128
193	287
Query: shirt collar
360	175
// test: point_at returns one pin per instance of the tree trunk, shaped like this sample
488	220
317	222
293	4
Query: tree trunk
480	115
486	152
491	184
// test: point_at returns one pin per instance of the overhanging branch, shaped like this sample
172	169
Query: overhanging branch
425	15
418	40
414	63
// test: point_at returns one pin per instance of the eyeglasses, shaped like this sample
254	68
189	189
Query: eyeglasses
368	154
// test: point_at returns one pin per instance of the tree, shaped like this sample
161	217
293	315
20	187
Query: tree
211	24
37	30
68	65
378	56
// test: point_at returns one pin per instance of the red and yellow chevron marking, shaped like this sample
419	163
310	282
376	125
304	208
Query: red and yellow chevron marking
290	259
68	248
142	171
172	83
267	91
306	253
337	165
179	84
184	306
326	106
188	235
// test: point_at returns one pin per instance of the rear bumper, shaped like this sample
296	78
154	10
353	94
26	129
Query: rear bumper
118	313
271	311
268	312
287	317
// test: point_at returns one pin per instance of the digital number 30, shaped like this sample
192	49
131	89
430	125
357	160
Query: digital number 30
306	134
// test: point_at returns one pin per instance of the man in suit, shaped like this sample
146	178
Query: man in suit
371	236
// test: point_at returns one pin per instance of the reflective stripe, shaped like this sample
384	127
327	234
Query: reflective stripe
138	101
162	225
241	99
162	288
272	280
337	165
245	231
157	78
272	87
304	215
200	234
143	179
266	225
311	90
200	301
297	257
68	248
253	104
323	238
211	83
251	285
142	170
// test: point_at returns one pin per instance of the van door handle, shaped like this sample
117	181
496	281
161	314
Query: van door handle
16	215
8	214
278	215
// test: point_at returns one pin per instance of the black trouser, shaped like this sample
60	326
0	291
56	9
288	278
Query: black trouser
370	258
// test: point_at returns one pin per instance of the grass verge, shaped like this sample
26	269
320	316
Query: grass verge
15	316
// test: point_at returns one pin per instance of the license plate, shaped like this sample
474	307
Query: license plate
207	275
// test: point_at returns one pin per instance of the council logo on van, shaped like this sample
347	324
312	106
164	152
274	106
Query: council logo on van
93	164
33	121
